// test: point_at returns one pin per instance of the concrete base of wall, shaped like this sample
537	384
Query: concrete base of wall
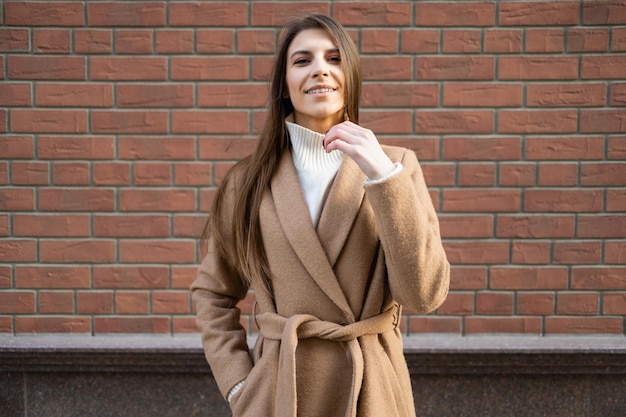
140	375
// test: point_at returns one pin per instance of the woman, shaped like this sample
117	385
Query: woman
333	232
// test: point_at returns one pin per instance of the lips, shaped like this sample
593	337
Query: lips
320	90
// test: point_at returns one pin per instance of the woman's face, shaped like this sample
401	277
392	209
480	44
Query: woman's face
315	80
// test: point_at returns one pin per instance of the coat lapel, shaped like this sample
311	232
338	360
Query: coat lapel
341	208
297	226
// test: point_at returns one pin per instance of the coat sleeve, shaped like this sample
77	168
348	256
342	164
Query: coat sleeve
417	266
216	292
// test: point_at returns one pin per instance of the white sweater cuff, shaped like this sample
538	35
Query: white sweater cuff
395	172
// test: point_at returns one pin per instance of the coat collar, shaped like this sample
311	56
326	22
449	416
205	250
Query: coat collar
318	251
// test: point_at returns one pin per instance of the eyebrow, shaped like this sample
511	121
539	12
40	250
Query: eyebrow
304	52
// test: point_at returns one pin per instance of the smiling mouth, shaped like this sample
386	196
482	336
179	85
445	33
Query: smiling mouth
321	90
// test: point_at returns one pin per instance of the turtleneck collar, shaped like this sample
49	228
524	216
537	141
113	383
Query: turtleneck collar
308	151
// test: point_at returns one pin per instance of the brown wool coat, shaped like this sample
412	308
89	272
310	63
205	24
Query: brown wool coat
328	333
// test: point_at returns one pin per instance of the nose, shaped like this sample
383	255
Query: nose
319	68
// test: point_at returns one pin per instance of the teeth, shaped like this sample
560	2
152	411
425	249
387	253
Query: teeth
320	90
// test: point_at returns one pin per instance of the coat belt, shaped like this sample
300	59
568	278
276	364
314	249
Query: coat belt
302	326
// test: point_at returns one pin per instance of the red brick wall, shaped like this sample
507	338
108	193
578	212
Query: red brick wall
117	119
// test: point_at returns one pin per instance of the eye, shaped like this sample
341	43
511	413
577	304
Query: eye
301	61
335	59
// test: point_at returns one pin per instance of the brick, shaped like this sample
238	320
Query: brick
129	122
565	148
572	252
171	302
168	200
103	325
51	225
566	95
155	95
477	175
130	277
503	41
14	40
584	325
77	250
463	13
387	122
531	252
208	14
481	200
467	227
256	41
426	148
528	278
145	251
75	147
614	303
122	68
603	67
562	200
602	121
157	148
577	303
228	95
131	226
503	325
458	303
598	278
38	13
421	325
183	276
56	302
30	173
132	302
18	250
48	121
455	68
439	175
454	121
535	303
74	95
538	68
215	41
4	231
92	302
210	121
477	94
17	199
545	40
272	13
111	173
601	226
535	227
174	41
367	13
419	41
537	121
558	175
17	302
538	13
477	252
387	68
46	67
152	173
490	149
188	324
616	200
189	226
118	13
55	324
226	148
604	12
468	278
16	147
587	40
456	41
4	173
71	173
15	94
603	174
6	324
76	199
262	68
52	41
193	174
617	147
231	68
495	303
379	41
93	41
618	41
52	276
137	41
618	95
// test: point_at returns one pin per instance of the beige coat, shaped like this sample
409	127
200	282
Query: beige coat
328	333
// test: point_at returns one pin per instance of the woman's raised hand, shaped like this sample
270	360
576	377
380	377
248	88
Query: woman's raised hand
362	146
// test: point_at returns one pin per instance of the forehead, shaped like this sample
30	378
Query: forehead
310	40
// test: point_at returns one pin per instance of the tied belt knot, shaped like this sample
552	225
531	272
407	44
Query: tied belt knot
302	326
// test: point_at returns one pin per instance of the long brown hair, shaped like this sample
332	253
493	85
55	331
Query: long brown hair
257	169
